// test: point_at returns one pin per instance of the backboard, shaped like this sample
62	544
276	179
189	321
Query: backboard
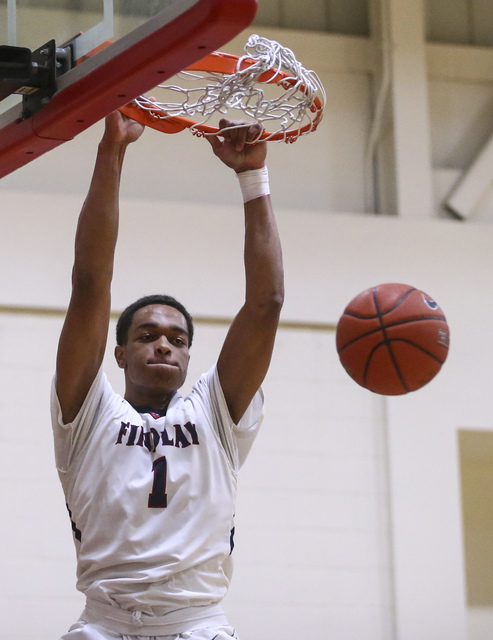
105	53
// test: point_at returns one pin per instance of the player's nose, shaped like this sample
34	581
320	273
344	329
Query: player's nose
162	345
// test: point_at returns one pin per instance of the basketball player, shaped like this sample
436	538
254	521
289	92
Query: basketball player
150	479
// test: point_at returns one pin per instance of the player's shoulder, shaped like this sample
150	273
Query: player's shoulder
205	386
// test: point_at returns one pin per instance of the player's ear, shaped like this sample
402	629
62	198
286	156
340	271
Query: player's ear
120	355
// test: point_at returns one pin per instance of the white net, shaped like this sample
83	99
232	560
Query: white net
266	68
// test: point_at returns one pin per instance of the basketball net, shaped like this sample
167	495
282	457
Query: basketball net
266	64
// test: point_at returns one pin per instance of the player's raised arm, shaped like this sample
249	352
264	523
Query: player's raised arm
247	350
83	338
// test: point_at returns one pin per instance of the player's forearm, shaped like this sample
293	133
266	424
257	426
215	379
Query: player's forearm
97	228
263	257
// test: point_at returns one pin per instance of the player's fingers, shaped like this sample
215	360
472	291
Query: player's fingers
239	137
224	124
235	131
254	132
238	134
214	142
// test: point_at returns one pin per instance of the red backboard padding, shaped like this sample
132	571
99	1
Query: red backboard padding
116	75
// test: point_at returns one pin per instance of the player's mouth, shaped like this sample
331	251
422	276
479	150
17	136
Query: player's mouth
166	363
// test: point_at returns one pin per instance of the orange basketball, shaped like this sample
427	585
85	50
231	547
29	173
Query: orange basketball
392	339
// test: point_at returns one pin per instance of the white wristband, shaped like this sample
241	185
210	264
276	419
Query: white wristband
254	183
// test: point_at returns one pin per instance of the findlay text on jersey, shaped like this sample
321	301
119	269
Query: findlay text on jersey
171	436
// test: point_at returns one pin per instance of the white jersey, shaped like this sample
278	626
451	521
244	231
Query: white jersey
151	498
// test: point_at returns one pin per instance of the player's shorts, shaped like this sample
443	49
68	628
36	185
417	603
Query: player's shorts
92	631
101	621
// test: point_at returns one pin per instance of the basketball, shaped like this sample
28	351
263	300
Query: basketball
392	339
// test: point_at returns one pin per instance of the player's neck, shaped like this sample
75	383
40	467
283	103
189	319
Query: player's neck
155	402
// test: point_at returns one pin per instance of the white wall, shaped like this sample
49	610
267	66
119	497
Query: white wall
336	558
349	519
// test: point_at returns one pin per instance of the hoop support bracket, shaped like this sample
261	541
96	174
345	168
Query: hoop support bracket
33	74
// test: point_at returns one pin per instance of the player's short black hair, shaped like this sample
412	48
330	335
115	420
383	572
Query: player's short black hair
125	320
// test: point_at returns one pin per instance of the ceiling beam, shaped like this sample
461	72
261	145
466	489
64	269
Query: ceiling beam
409	92
471	188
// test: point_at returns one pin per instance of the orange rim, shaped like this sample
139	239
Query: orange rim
225	63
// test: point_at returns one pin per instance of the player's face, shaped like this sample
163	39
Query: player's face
155	356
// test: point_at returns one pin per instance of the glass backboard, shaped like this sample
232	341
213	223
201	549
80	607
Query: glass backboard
142	42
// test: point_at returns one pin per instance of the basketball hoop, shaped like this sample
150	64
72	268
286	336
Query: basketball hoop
221	83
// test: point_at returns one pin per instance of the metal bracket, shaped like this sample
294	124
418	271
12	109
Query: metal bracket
33	74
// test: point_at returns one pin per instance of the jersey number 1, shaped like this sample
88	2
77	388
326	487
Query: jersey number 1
158	498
